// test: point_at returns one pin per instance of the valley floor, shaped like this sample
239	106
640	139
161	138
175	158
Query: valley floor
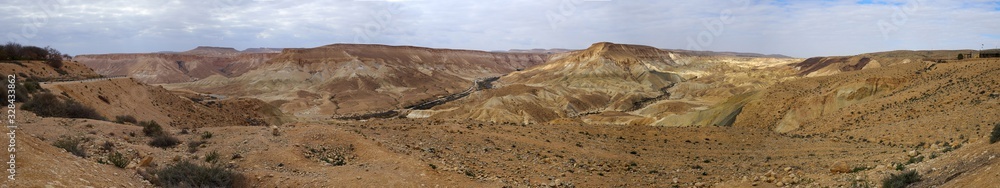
431	153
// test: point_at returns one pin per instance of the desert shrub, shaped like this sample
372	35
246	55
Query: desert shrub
995	136
48	105
193	146
901	180
151	128
206	135
212	157
77	110
126	118
31	87
187	174
164	141
20	93
961	56
71	145
118	160
107	146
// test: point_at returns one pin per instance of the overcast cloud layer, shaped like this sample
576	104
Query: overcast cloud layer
796	28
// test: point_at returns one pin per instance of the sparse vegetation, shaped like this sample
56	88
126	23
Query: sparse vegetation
151	128
126	118
212	157
901	180
49	105
118	159
206	135
71	145
187	174
164	141
995	136
859	169
193	145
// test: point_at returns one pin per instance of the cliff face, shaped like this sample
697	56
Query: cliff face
353	78
159	68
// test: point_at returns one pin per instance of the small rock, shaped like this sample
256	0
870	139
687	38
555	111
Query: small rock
840	167
788	169
675	180
912	153
146	161
699	184
779	184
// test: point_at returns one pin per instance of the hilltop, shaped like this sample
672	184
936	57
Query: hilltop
174	67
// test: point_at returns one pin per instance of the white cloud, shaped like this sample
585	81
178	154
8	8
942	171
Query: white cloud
798	28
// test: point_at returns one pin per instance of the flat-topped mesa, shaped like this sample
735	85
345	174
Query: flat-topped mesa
211	50
159	68
503	61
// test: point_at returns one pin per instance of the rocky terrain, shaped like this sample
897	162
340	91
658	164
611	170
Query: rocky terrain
346	79
611	115
174	67
617	84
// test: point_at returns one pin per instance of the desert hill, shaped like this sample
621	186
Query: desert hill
344	79
195	64
40	71
126	96
821	66
616	84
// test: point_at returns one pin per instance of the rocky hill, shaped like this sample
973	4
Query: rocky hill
159	68
126	96
41	71
822	66
615	84
344	79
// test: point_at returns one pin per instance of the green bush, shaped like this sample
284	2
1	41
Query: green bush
126	118
901	180
995	136
119	160
187	174
151	128
71	145
164	141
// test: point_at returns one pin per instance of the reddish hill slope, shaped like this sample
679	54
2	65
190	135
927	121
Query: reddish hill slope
158	68
343	79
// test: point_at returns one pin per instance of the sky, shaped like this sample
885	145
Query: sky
802	28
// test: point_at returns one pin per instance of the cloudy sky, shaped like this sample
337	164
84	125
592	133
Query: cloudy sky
796	28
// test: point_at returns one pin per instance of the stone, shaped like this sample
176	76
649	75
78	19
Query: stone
788	169
779	184
840	167
146	161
